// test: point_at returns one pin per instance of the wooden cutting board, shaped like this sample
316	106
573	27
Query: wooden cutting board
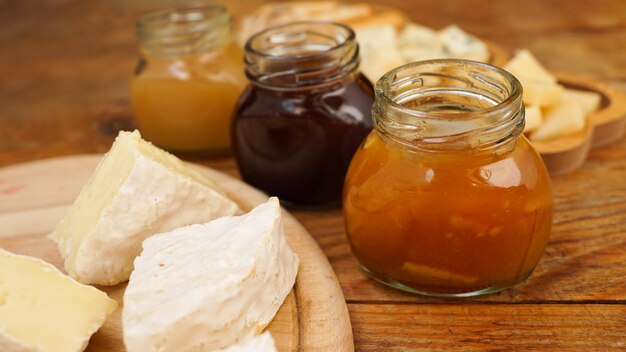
35	196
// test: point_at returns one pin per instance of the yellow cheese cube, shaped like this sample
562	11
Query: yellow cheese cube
565	118
589	101
542	95
526	67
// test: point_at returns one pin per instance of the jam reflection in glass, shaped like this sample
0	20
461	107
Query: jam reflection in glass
304	114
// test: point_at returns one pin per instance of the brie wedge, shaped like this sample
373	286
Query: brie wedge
43	310
260	343
136	191
207	286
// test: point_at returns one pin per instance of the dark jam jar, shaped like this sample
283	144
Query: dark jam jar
304	113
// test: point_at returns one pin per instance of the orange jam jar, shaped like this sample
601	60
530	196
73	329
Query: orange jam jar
446	197
184	89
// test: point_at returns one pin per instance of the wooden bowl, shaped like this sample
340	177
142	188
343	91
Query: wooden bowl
566	154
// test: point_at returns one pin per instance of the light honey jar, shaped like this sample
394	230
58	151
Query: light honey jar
184	90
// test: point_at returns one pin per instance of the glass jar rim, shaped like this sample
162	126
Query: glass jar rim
183	30
384	85
481	128
301	55
268	31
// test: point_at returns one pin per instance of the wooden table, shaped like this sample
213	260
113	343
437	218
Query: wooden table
64	70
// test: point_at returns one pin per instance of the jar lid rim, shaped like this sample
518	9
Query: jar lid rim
250	49
447	104
205	17
386	82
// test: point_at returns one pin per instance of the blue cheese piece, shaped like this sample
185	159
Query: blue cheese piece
461	45
136	191
208	286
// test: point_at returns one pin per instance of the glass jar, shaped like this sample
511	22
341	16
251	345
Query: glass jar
304	113
184	89
446	197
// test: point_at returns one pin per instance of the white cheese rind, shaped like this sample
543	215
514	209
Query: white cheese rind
156	193
260	343
44	310
144	205
206	287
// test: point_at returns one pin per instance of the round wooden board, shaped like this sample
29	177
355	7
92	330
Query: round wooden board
35	196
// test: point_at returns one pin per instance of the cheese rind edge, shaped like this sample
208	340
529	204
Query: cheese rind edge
209	285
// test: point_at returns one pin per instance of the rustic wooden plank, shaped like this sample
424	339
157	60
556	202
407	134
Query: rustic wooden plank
479	327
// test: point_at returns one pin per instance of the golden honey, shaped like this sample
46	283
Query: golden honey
185	90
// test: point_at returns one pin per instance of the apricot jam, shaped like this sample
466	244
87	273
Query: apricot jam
184	91
304	114
446	197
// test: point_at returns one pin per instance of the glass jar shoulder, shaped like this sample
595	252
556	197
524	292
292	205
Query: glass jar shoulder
380	166
222	65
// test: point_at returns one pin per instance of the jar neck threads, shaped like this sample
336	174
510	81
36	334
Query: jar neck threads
183	32
450	104
301	55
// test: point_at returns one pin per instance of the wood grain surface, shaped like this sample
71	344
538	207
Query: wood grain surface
314	317
64	72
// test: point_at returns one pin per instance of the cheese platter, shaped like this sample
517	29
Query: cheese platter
35	196
386	35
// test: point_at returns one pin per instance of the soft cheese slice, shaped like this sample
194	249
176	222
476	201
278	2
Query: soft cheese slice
136	191
542	95
379	50
540	86
416	42
526	67
260	343
208	286
589	101
533	118
43	310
